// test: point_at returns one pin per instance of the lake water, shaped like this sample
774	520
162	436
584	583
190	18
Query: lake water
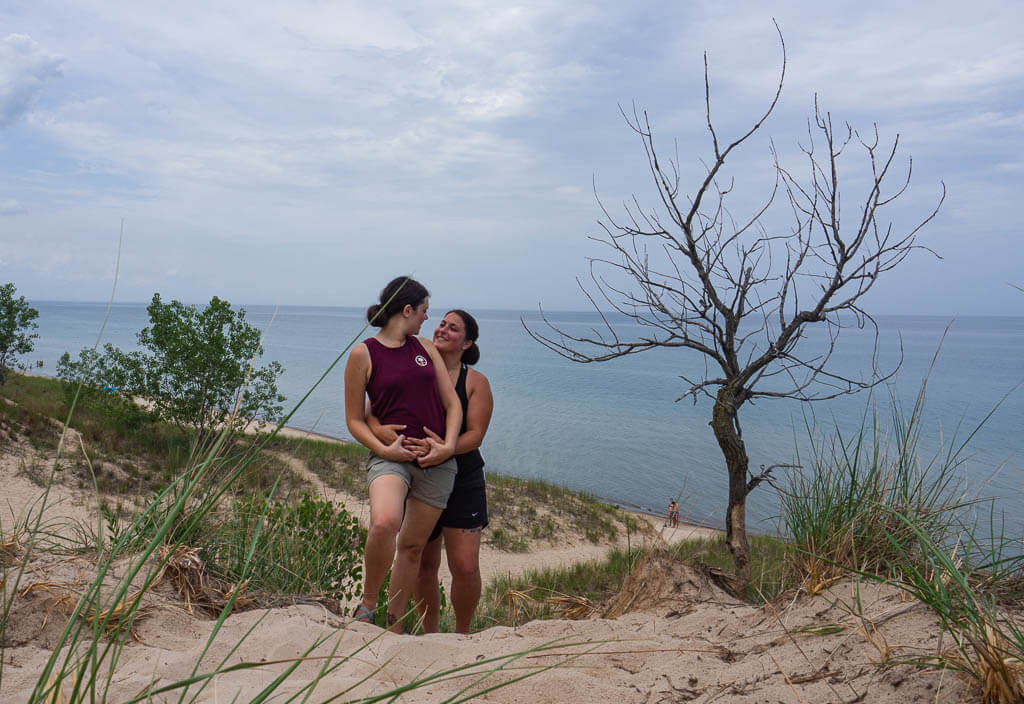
615	429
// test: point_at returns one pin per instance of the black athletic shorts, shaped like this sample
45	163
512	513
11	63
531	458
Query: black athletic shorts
467	508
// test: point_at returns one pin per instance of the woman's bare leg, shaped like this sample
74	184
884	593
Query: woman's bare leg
426	592
420	518
463	548
387	501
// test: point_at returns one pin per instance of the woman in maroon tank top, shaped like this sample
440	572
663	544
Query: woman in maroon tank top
407	383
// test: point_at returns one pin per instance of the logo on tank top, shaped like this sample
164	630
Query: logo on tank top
421	360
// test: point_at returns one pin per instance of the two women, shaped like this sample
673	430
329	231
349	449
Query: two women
465	516
408	385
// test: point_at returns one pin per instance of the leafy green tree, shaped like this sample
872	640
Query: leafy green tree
197	368
17	321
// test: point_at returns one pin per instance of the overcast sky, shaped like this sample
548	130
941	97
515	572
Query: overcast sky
305	152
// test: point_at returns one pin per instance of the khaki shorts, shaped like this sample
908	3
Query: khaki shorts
432	485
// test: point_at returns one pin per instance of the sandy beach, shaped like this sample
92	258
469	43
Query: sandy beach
670	635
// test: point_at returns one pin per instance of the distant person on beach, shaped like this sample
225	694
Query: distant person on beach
461	523
408	385
673	513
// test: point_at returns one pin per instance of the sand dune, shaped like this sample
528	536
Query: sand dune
670	636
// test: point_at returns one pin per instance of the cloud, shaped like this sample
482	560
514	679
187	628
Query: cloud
24	68
467	124
10	207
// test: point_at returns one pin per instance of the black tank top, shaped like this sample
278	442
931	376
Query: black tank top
470	463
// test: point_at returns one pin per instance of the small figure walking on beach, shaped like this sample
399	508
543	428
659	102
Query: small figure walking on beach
673	513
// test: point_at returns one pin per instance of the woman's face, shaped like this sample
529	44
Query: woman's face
418	316
450	335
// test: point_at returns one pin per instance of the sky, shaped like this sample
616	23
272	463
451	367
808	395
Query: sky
306	152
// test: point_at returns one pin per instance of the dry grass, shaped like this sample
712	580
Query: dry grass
1000	673
54	692
187	572
57	598
521	606
571	607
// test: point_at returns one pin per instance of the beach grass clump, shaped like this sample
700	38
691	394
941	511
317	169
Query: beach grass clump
507	540
987	644
870	507
304	546
852	508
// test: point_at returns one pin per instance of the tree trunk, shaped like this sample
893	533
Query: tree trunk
723	423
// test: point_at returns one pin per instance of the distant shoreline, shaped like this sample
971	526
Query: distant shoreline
528	311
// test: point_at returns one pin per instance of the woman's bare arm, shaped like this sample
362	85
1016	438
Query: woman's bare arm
357	374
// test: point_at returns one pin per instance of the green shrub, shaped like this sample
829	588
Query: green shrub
307	546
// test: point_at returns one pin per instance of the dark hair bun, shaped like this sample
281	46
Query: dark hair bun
471	355
373	311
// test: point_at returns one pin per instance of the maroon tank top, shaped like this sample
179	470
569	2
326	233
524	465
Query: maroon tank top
403	387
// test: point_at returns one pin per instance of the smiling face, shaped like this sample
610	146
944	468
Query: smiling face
450	335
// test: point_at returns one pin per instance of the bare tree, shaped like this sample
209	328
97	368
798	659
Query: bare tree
740	292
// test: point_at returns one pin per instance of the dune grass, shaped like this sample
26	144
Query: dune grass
340	465
872	508
147	452
853	508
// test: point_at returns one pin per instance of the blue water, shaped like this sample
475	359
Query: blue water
615	429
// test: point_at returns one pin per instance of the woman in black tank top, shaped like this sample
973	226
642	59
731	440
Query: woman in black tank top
461	523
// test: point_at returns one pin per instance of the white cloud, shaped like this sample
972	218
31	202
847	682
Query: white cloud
24	68
10	206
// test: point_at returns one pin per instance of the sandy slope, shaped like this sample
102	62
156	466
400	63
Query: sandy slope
671	636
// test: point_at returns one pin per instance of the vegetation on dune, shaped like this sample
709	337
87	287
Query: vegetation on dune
17	322
340	465
852	507
579	590
527	510
84	664
196	368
